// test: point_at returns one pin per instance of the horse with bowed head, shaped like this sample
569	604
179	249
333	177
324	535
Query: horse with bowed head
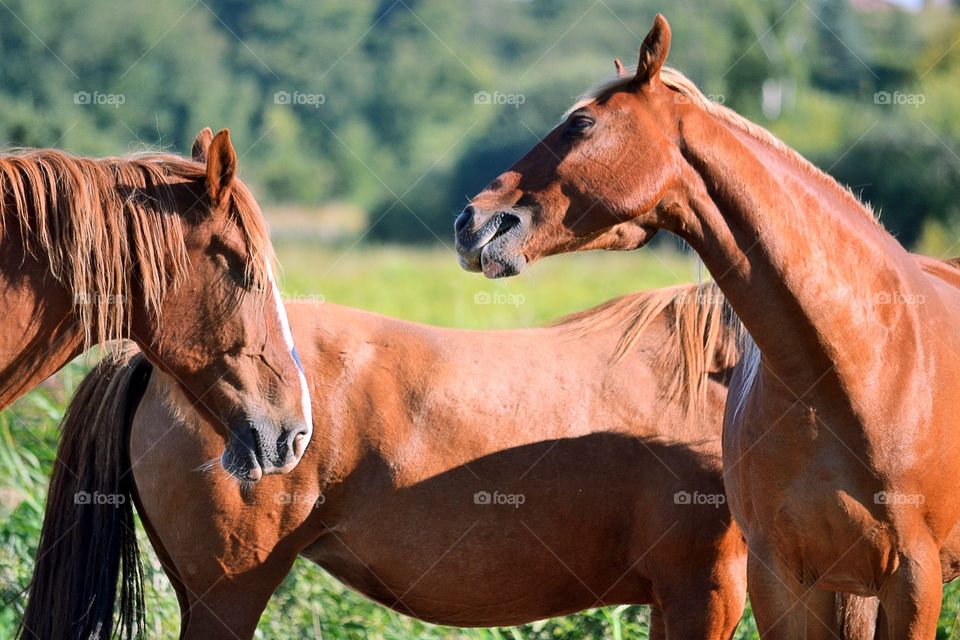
168	252
840	441
462	477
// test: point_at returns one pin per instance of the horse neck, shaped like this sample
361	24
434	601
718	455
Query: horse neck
40	331
799	259
42	356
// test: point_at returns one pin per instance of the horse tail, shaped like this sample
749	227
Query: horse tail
857	616
88	542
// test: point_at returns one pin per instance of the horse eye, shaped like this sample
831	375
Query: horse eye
579	124
234	266
242	278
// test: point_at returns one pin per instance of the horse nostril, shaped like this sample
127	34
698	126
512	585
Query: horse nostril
507	222
295	443
464	220
299	443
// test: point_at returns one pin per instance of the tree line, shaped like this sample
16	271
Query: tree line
406	107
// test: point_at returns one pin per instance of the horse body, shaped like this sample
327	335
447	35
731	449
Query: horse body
839	440
548	489
840	473
825	434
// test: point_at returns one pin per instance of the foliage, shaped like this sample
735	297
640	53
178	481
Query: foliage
914	178
374	102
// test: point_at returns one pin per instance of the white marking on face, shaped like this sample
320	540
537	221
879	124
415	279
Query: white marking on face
288	337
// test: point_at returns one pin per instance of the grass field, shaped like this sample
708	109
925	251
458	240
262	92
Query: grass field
421	285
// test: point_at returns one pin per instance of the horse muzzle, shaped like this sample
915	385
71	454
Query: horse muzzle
258	448
496	246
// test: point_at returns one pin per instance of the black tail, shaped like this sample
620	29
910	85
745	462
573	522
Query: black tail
88	541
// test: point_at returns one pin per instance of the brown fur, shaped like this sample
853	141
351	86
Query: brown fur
848	392
413	421
170	252
675	80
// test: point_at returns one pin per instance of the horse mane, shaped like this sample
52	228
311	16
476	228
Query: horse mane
111	226
677	81
704	335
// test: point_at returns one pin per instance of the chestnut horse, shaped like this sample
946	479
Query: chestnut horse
840	443
169	252
583	470
173	254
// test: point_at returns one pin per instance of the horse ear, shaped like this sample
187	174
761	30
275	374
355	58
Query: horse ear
200	145
221	167
653	52
621	70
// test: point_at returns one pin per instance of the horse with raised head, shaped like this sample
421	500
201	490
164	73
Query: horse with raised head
169	252
173	254
840	443
461	477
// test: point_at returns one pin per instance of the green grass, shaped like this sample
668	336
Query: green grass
428	285
421	285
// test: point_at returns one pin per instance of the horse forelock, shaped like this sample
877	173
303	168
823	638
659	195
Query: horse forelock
249	218
703	339
105	223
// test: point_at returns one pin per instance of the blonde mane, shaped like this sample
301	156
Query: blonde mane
703	334
677	81
109	227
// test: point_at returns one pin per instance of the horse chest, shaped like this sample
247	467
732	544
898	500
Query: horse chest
776	444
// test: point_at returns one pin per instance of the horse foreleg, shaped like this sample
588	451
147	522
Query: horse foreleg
858	616
910	598
168	566
784	608
658	627
230	609
708	607
228	603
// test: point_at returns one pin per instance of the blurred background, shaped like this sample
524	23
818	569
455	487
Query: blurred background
364	125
